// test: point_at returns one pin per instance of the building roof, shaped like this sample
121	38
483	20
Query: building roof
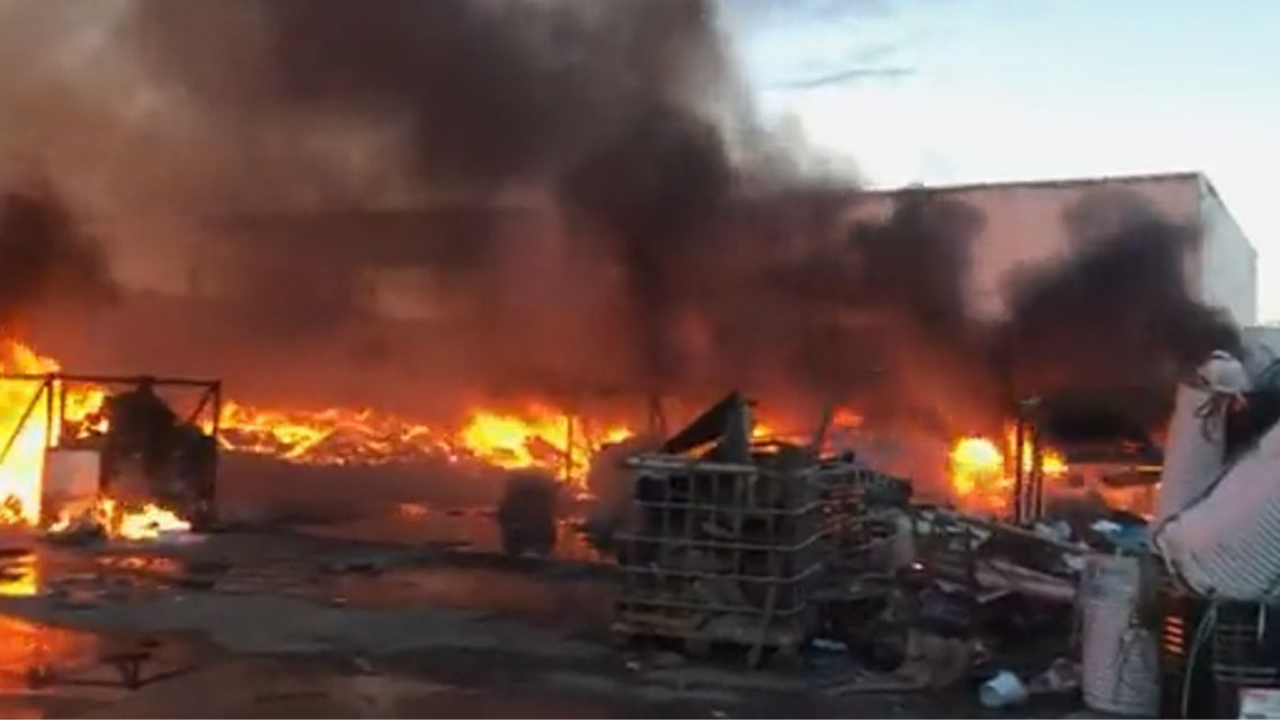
1193	175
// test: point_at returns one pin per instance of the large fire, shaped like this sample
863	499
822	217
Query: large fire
534	436
982	479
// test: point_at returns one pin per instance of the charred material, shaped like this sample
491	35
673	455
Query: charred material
144	450
527	515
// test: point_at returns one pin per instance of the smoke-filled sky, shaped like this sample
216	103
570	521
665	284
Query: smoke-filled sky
1019	89
635	222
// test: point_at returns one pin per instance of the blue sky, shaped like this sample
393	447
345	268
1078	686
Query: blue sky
979	90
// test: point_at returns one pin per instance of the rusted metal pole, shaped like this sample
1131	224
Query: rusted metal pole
62	407
216	391
568	447
194	417
1019	440
46	389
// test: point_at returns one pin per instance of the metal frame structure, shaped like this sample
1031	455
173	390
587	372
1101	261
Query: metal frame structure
733	552
51	389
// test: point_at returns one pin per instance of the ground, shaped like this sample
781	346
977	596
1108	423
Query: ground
286	624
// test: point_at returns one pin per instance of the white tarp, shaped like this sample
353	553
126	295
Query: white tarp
1197	434
1228	542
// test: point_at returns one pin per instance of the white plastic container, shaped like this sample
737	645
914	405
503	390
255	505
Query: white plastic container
1119	660
1003	690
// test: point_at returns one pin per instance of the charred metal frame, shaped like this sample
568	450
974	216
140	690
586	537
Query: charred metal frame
51	389
1028	483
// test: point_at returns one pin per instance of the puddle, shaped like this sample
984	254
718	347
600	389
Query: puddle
20	577
471	528
29	650
527	596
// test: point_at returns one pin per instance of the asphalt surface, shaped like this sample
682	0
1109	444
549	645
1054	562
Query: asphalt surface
291	625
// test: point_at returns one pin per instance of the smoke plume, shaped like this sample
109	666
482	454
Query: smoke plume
1117	313
576	197
45	258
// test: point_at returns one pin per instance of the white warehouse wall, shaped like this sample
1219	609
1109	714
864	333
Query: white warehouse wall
1024	225
1230	263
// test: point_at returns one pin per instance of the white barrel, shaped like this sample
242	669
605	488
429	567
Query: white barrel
1119	661
1228	542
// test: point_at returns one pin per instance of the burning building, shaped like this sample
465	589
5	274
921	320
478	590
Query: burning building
1039	222
1086	278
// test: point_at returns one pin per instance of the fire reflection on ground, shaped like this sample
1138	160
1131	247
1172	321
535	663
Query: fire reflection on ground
20	577
30	649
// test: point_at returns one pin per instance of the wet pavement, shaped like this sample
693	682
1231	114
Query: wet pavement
295	625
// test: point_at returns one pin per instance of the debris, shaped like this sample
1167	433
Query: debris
1062	675
828	645
1259	703
934	661
527	515
1005	689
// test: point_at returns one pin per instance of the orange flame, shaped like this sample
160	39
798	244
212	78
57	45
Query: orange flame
118	521
982	480
978	476
27	435
532	436
538	437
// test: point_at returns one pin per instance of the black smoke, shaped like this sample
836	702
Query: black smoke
45	257
638	226
654	190
1119	311
486	91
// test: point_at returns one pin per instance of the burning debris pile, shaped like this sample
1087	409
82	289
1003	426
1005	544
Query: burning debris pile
106	517
543	439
